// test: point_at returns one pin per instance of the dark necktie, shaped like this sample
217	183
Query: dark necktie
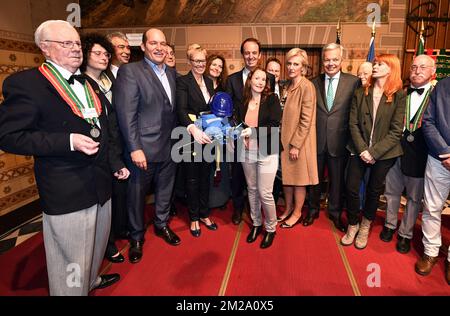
80	78
418	90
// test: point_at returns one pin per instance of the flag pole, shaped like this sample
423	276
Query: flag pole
338	32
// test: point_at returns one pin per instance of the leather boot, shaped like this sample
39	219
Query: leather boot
425	264
349	237
363	234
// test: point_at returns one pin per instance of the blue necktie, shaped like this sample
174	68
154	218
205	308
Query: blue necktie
330	94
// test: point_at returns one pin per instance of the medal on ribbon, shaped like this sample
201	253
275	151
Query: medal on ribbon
89	114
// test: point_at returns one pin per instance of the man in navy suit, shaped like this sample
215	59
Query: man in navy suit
144	97
52	113
251	52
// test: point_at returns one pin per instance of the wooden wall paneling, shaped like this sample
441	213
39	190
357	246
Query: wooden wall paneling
439	39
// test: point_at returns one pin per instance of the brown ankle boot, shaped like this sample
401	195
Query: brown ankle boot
425	264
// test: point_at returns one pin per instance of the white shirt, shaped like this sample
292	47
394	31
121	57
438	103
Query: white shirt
417	99
245	73
277	90
334	82
77	87
114	70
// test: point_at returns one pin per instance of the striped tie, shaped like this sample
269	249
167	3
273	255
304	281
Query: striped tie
330	94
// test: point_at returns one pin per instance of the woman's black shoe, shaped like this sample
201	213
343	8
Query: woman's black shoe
286	225
116	259
196	232
212	226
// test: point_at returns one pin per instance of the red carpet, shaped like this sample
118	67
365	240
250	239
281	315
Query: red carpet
397	275
302	261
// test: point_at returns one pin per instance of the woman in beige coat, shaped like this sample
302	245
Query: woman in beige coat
298	137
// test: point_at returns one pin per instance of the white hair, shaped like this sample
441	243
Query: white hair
427	57
42	29
333	46
365	64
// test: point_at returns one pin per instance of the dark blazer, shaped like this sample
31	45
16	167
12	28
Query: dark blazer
269	115
332	126
35	120
235	87
144	111
436	120
190	98
388	125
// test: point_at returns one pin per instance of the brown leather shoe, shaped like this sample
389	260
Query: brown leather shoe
447	271
425	264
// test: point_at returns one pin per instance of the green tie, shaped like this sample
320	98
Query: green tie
330	94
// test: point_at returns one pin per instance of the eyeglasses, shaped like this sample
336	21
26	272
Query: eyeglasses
421	67
198	61
98	53
123	47
65	44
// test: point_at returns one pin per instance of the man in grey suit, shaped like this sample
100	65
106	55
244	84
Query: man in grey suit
144	97
334	96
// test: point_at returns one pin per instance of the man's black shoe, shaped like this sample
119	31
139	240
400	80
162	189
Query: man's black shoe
135	252
337	222
387	234
168	235
116	259
403	244
107	280
237	217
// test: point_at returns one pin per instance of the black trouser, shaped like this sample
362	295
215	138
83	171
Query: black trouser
238	182
119	214
238	185
336	176
197	188
162	175
374	188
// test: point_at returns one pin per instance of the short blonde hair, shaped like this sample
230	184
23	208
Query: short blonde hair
303	57
194	48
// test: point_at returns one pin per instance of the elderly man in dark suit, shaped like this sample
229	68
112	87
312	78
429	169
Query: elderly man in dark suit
65	125
334	96
251	52
144	97
409	169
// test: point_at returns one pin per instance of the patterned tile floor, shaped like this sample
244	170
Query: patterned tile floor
21	234
35	226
